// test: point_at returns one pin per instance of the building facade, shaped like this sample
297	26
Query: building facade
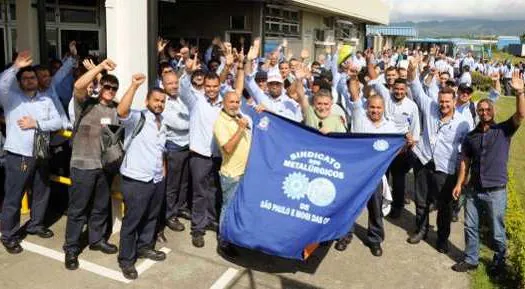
125	30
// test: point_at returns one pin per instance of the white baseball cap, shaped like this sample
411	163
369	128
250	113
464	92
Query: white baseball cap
275	78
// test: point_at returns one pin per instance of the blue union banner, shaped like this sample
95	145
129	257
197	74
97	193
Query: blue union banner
302	187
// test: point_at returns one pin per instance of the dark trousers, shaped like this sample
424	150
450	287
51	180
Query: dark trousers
507	86
430	182
89	197
376	229
177	182
2	188
143	202
24	173
206	199
398	170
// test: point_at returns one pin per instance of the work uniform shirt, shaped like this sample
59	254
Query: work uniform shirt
441	141
16	105
144	159
489	154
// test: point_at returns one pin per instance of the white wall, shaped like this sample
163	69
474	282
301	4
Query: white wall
127	43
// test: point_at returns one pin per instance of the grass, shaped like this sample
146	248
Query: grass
505	107
502	56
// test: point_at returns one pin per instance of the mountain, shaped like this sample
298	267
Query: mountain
463	28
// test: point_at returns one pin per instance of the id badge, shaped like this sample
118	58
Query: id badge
105	121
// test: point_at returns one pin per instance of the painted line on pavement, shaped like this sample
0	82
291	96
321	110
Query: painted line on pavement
225	279
83	264
89	266
146	264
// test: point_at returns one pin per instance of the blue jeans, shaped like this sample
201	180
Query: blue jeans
492	205
229	186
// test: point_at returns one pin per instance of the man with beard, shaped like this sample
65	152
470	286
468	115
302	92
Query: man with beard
443	131
233	135
26	109
405	114
142	176
486	153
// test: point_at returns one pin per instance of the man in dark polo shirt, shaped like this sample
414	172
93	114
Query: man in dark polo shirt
486	153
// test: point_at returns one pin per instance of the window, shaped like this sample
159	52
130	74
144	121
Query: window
77	15
282	22
237	22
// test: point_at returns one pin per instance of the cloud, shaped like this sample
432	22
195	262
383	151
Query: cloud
422	10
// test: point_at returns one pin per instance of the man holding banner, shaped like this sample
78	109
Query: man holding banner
232	132
313	190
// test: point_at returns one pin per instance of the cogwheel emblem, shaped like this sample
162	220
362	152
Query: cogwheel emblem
381	145
295	186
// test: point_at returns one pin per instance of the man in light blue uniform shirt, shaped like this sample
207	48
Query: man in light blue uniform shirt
143	171
405	114
437	153
276	100
26	110
204	161
177	121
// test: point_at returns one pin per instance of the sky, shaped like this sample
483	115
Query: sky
425	10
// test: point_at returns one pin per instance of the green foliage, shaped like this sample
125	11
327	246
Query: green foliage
481	82
515	226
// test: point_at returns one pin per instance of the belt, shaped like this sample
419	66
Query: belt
494	189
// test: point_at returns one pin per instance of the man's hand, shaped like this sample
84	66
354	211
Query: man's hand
324	130
305	54
494	76
73	48
23	59
259	108
161	44
456	192
369	55
138	79
517	82
88	64
285	43
229	59
410	142
192	64
26	122
252	53
301	72
108	65
242	123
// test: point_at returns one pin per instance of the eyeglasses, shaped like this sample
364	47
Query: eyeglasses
110	87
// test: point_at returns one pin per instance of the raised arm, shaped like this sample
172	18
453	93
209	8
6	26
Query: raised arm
186	92
518	86
239	80
7	79
125	103
67	66
418	94
495	89
300	75
80	89
369	54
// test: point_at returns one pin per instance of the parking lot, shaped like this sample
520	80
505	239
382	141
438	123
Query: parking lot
401	266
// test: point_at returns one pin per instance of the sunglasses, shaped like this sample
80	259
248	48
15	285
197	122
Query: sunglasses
110	87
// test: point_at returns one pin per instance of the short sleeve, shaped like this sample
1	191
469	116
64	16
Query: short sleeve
466	147
130	120
221	133
508	127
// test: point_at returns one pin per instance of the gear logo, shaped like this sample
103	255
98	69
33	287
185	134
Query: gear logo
295	186
321	192
263	123
381	145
